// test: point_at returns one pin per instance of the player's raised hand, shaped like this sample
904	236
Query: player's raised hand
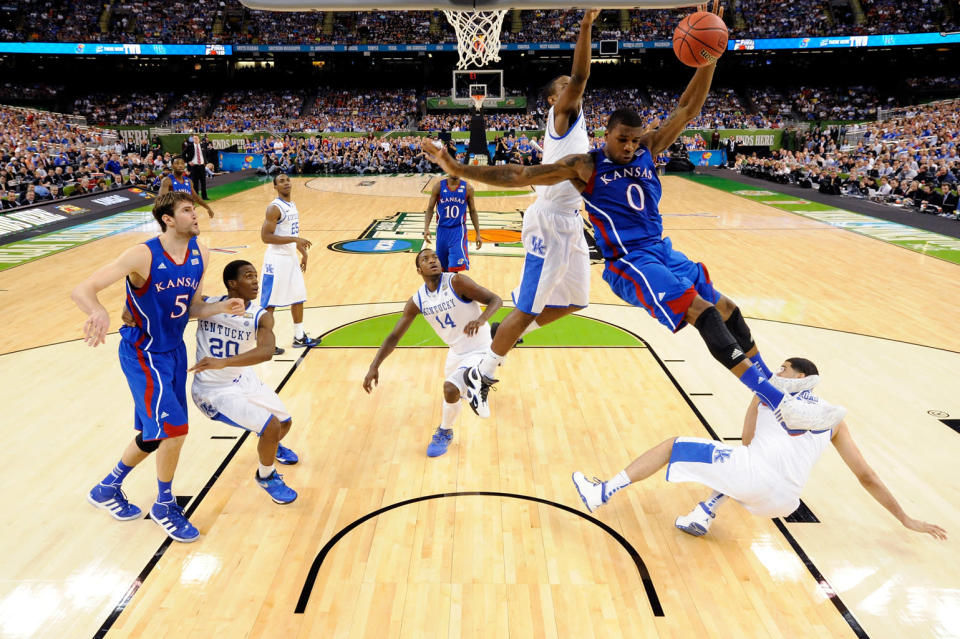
438	155
207	364
717	8
96	326
921	526
590	15
371	380
232	306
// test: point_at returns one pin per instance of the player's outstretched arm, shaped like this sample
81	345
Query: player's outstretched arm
466	288
567	106
431	209
575	168
750	422
853	458
134	261
202	309
198	201
410	312
266	343
690	102
165	186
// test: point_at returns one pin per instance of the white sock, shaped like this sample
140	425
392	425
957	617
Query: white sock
298	330
450	414
715	501
489	363
265	471
531	327
618	481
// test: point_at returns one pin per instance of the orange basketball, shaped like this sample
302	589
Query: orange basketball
700	39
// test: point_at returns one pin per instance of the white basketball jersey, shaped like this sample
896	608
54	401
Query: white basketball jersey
791	456
448	314
556	147
287	226
225	335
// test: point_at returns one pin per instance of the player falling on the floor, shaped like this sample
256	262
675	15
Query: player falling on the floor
450	302
765	475
164	278
226	387
621	190
180	181
451	197
283	283
555	280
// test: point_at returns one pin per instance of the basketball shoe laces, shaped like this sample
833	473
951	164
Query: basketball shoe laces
604	495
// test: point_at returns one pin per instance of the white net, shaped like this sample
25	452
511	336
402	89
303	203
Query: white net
478	36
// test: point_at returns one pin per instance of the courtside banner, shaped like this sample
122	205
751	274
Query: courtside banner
231	162
44	213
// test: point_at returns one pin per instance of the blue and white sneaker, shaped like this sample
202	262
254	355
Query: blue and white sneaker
278	491
592	491
440	442
697	522
305	342
286	456
112	499
477	387
170	517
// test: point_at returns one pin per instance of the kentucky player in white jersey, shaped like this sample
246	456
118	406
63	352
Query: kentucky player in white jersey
450	303
283	283
555	280
766	475
227	389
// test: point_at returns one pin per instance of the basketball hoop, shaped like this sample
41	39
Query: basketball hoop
478	35
478	101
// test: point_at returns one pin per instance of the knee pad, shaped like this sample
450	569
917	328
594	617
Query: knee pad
147	447
739	329
721	343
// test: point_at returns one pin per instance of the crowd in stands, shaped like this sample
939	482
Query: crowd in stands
254	110
829	103
460	121
361	110
105	109
228	21
340	155
187	108
910	160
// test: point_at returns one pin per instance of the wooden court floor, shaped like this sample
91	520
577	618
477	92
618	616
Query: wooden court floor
491	540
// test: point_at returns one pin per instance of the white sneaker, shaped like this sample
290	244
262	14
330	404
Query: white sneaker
697	522
477	387
591	491
809	413
794	384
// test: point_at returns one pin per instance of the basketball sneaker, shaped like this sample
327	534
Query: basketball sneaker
112	499
799	413
278	491
170	517
305	342
592	492
286	456
278	351
794	385
477	388
440	442
696	522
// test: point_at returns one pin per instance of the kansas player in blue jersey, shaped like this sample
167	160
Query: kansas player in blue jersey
451	198
163	277
180	182
621	190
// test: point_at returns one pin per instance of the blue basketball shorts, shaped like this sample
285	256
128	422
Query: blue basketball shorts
158	383
661	280
452	249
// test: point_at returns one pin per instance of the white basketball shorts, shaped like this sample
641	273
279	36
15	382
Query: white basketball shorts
457	363
281	282
733	471
247	403
556	268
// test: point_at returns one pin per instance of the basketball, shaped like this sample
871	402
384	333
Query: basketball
700	39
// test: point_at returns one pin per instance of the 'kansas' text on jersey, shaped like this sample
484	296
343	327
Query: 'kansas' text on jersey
452	205
623	203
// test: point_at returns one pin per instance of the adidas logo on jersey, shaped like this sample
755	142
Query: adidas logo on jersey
161	266
164	414
736	353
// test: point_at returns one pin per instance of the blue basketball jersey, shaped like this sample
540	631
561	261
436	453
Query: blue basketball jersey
452	206
623	203
184	186
160	307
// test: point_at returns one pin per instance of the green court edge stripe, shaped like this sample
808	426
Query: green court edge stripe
914	239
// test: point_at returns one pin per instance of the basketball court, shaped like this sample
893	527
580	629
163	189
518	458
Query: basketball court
491	539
